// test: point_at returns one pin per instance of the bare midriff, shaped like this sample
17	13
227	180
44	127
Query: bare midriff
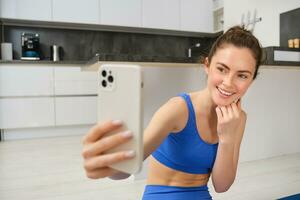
159	174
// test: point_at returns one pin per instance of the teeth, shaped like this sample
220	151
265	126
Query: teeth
224	92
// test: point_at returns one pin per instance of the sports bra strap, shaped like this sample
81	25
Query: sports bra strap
189	103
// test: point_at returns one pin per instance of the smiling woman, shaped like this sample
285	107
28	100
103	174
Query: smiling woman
192	136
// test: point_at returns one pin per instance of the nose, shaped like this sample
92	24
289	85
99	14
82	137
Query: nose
228	80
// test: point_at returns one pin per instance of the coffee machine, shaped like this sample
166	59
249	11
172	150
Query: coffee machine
30	46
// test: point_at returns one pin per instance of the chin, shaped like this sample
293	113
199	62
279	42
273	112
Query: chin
223	102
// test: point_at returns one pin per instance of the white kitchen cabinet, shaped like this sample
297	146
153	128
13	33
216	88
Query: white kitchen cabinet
74	103
26	9
196	15
76	110
73	81
77	11
26	81
26	112
162	14
121	13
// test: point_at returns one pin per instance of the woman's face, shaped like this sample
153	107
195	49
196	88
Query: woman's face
230	74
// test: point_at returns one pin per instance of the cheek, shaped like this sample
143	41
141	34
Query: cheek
242	88
215	80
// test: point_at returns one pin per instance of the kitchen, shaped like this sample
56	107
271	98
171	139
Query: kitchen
45	113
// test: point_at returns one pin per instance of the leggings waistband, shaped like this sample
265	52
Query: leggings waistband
164	192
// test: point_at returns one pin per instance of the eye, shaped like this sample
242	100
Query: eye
221	69
243	76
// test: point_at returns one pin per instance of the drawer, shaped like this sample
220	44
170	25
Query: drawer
75	110
26	112
26	81
73	81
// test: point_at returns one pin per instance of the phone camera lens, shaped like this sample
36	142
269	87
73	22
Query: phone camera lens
104	73
110	79
104	83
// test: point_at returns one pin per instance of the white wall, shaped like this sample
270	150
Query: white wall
267	30
272	105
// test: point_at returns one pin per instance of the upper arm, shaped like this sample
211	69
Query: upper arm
164	121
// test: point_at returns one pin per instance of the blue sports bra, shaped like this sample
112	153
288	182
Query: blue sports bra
185	151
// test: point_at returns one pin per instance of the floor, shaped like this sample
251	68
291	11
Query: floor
51	169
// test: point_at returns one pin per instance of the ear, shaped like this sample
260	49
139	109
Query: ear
206	65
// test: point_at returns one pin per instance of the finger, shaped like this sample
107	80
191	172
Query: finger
229	111
100	173
224	112
99	130
107	160
106	143
219	113
235	109
239	104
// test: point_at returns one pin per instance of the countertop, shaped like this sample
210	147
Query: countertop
145	60
118	58
65	62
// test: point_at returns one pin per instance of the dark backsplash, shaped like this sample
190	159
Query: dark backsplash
84	44
289	26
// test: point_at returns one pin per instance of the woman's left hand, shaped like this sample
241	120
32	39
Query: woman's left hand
230	119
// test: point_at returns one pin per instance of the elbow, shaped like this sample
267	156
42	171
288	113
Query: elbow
224	187
221	189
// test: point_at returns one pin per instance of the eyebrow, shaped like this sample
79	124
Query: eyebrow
242	71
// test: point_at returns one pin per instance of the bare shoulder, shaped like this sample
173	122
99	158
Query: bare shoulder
179	112
176	102
174	106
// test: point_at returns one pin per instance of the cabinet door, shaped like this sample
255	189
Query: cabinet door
73	81
8	8
26	9
120	12
26	112
196	15
163	14
76	11
75	110
26	81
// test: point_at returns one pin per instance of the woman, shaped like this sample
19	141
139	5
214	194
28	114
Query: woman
192	136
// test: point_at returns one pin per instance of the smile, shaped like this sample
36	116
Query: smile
225	92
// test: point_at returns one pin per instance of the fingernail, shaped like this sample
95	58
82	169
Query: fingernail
127	134
130	154
116	122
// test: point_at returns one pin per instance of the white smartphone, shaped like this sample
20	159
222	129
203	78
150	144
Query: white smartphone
120	89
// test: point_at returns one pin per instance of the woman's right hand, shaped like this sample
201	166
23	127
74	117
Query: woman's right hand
95	143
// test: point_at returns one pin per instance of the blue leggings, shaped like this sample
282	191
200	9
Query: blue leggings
164	192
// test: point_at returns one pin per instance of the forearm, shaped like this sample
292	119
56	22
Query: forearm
224	170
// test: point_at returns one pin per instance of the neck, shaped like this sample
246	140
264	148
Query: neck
207	105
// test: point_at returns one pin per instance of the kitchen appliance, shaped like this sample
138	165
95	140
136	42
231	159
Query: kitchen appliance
6	51
30	46
55	53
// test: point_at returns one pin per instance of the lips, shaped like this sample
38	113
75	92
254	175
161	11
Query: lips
224	92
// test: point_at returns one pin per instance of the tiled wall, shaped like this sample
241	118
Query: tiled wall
84	44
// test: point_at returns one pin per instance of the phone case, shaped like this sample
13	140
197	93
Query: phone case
120	97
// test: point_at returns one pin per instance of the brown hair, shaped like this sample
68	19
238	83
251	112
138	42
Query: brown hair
239	37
